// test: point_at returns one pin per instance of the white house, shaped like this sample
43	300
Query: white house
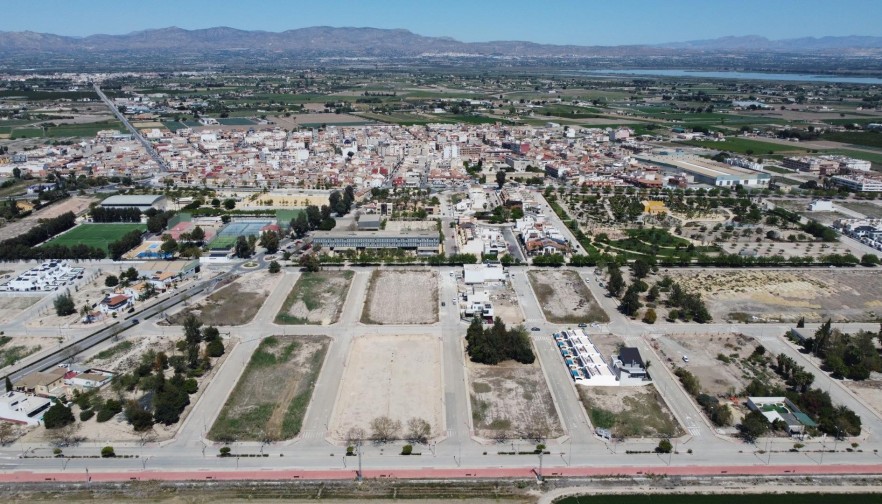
115	303
629	367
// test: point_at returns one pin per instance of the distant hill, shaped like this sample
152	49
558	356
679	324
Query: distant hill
374	42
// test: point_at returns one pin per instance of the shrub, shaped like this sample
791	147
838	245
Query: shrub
274	267
107	452
407	449
650	316
664	446
225	451
86	415
215	348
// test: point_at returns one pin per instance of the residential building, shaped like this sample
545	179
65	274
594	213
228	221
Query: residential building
21	408
43	383
781	409
858	183
629	368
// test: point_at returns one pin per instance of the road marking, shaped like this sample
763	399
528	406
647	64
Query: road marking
693	427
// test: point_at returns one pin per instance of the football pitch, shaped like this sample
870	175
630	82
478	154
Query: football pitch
95	235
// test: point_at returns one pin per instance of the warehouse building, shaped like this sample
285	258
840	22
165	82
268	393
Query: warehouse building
142	202
705	171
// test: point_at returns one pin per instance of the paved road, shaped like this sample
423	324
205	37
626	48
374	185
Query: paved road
457	454
147	145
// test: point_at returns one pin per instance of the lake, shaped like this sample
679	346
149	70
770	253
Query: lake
741	75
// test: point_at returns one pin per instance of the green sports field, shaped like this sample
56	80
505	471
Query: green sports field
95	235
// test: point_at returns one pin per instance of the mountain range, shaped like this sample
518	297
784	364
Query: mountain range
375	42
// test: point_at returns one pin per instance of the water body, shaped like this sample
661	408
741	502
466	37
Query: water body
741	75
808	498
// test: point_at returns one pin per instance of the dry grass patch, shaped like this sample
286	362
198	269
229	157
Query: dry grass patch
402	297
271	397
512	400
234	304
316	298
629	411
564	297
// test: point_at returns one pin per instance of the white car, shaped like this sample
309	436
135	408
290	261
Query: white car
685	358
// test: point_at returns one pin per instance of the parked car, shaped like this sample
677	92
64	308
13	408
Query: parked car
685	358
534	329
135	321
583	325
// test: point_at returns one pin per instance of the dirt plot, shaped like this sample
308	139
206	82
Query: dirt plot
718	360
402	297
234	304
11	307
396	376
75	204
16	348
511	400
270	399
629	411
869	209
316	298
870	391
506	306
565	298
841	294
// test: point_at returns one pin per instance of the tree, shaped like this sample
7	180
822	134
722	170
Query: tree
111	281
270	241
753	425
640	268
664	446
384	429
313	216
215	202
310	262
300	225
869	260
107	452
418	430
58	416
8	384
650	316
215	348
198	234
229	203
242	249
630	301
64	305
140	419
500	178
16	172
169	246
275	267
616	283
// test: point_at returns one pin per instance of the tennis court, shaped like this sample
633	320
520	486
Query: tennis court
226	237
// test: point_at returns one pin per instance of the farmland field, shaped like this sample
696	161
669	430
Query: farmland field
746	146
95	235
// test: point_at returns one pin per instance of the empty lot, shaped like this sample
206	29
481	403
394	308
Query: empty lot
565	298
234	304
629	411
402	297
840	294
271	397
511	400
316	298
397	376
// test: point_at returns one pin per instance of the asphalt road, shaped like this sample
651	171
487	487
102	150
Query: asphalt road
457	451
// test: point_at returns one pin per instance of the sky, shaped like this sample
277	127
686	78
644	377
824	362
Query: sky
579	22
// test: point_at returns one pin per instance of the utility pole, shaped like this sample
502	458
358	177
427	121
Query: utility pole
358	447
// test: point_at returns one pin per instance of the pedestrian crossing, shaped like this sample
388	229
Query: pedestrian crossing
312	434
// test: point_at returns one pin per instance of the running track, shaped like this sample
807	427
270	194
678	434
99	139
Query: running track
80	476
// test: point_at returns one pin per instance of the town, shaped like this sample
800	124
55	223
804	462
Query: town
325	274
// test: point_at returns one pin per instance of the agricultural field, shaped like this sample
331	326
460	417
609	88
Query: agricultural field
234	304
96	235
512	401
402	297
395	376
316	298
869	139
748	146
565	298
787	296
270	400
629	411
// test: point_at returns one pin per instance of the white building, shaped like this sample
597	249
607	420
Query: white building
821	205
583	360
483	273
23	408
48	276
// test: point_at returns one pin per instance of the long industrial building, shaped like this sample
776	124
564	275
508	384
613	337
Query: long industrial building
423	242
706	171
